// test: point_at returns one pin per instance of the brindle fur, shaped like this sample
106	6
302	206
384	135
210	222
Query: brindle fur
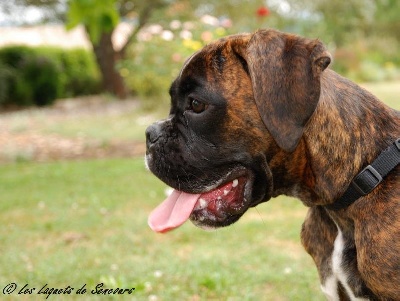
312	131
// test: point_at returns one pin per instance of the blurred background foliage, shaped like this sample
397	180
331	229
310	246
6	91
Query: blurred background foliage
362	35
38	76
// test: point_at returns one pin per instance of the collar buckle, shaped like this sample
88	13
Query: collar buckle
367	180
397	143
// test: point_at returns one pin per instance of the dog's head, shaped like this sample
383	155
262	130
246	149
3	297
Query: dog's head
235	104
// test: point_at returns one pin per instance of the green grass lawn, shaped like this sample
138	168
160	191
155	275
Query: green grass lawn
85	222
76	223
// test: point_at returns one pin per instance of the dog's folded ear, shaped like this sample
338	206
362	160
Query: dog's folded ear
285	72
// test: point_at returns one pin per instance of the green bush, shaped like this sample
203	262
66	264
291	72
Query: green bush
39	83
13	55
5	78
40	75
81	74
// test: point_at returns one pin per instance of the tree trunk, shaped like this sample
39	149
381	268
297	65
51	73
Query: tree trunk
107	59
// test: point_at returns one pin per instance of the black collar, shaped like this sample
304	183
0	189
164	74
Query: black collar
370	177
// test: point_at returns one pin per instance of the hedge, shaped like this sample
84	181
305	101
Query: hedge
39	75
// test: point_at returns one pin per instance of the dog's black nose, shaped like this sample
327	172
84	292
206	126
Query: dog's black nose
153	133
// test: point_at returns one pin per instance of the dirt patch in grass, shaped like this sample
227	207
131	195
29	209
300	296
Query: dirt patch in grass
27	135
41	147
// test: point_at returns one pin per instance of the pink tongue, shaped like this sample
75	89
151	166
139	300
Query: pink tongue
173	212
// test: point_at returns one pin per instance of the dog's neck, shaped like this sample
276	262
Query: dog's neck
335	143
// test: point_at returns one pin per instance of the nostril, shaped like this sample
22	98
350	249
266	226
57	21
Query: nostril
153	133
148	134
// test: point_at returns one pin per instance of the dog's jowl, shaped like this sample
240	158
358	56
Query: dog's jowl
254	116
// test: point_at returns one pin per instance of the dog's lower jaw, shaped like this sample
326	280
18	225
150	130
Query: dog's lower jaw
258	188
225	204
208	224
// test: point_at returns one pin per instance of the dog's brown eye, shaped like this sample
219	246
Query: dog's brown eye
197	106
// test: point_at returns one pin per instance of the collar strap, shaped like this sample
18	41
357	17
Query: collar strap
370	177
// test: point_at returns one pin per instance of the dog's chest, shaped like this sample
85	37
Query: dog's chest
341	273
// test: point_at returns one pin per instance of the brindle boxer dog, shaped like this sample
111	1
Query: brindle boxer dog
254	116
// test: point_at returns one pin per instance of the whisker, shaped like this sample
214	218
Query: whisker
262	219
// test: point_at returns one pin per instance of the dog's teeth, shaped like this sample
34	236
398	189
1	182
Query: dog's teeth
202	203
226	191
235	183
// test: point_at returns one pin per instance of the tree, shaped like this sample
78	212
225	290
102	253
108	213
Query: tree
100	19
